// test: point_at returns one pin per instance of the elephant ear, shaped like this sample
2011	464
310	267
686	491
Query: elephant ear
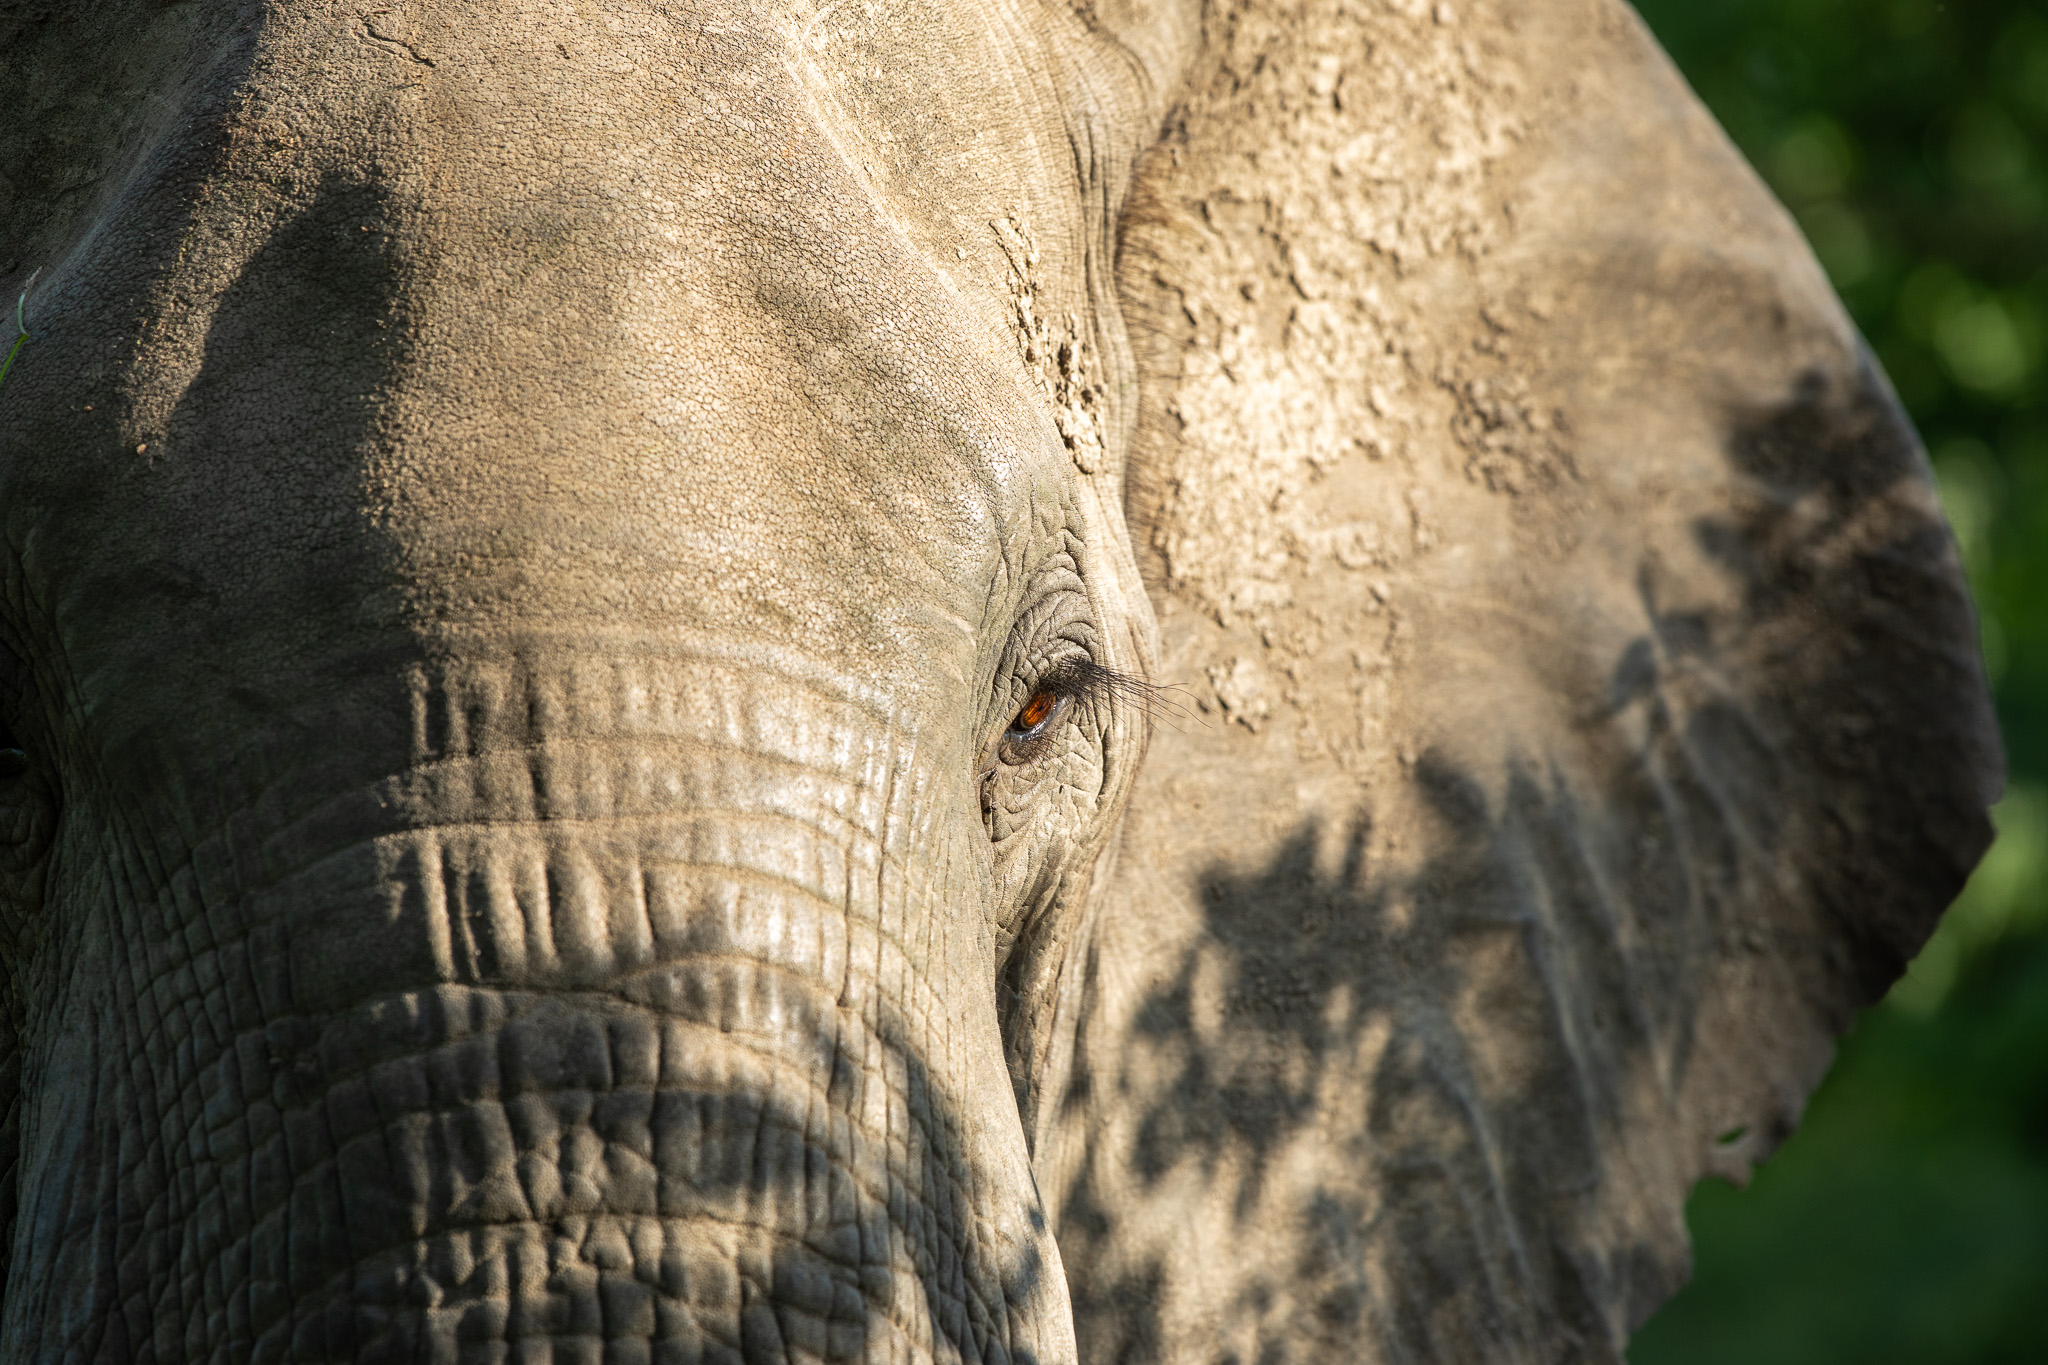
1590	715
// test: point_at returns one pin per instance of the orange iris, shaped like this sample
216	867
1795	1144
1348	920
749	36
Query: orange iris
1035	711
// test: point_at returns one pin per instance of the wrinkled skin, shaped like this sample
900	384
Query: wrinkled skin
581	582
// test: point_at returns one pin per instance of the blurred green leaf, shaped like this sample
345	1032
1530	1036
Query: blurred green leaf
1840	240
1990	344
2001	899
1815	159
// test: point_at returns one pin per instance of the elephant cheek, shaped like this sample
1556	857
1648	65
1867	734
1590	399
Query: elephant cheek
635	1089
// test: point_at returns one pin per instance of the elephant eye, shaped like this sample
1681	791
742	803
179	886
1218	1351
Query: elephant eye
1036	712
1076	682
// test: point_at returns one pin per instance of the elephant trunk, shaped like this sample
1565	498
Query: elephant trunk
616	1024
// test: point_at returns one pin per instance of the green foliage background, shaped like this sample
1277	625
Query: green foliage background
1908	1219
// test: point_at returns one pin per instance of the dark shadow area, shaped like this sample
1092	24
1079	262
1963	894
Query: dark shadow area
257	483
1861	637
28	821
97	91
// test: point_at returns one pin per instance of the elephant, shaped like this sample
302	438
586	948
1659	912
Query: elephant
1184	681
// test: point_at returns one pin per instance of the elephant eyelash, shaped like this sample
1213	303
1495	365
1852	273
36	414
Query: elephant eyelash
1076	681
1086	680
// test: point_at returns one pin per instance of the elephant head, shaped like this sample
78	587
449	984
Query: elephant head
1005	682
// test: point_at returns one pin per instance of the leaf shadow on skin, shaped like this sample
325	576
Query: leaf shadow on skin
1427	1096
454	1170
1345	1008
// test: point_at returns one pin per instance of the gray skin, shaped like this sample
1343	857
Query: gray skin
530	535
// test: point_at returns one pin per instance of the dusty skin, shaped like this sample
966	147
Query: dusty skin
582	591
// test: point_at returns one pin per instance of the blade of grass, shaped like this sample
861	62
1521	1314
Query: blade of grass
21	326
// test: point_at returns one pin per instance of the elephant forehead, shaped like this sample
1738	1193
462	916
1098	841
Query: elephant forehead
690	332
540	321
759	415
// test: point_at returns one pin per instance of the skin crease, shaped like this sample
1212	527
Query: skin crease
580	588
